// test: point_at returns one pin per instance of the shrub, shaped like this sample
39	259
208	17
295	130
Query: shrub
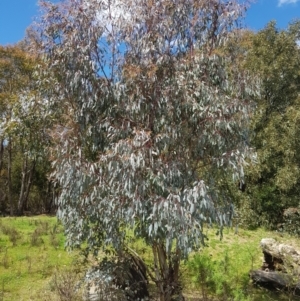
36	239
291	221
121	277
64	285
218	278
201	269
12	234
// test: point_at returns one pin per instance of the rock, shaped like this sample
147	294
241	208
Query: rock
280	257
281	267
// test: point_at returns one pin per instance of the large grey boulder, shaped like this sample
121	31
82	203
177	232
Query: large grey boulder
280	268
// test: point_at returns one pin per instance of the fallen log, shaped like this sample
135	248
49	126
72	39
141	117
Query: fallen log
272	280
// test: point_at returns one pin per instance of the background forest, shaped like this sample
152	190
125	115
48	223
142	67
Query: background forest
271	184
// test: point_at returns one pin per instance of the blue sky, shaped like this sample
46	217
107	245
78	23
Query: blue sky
263	11
16	16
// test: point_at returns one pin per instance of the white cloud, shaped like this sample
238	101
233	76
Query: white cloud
111	13
282	2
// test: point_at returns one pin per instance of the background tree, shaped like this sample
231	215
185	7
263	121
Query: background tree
273	183
146	102
22	132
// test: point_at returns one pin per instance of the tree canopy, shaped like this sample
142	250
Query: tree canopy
147	104
273	183
23	141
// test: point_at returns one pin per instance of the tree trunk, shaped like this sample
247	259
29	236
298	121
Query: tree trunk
1	153
167	273
2	188
21	195
29	183
25	185
49	200
10	199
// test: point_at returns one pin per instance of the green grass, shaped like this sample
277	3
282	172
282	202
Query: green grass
227	264
31	249
221	270
32	256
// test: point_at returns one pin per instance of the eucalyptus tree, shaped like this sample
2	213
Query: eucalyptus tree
147	103
22	127
16	70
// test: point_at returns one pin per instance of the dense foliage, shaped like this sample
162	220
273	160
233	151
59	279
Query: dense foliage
273	183
23	139
147	104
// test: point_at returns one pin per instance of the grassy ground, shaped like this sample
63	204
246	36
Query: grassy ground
31	250
34	264
221	270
